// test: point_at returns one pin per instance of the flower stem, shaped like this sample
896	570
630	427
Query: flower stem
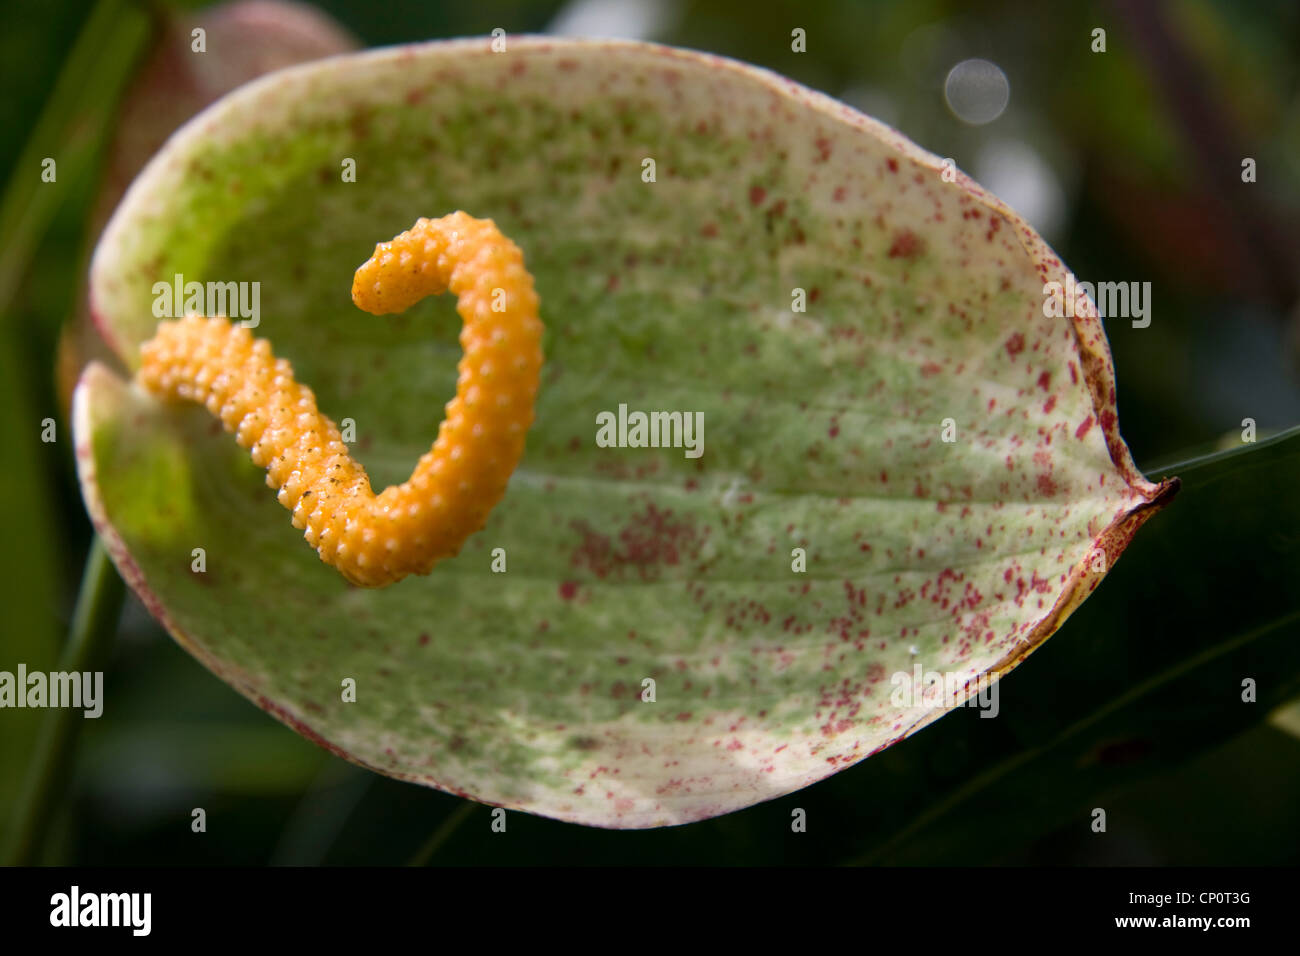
93	625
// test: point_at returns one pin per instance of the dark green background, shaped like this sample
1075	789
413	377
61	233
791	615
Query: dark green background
1133	707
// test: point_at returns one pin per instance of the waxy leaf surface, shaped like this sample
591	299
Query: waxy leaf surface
823	429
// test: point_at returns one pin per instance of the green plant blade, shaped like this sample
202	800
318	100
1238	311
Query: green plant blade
30	572
824	428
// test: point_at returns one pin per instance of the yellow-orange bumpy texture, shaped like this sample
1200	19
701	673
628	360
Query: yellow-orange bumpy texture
375	540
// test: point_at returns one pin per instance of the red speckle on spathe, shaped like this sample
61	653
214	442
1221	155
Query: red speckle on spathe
931	368
568	590
907	245
892	164
1045	381
650	540
424	639
1049	404
709	230
1084	427
1015	344
839	194
757	194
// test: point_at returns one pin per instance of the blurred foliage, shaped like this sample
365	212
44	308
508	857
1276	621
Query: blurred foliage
1133	706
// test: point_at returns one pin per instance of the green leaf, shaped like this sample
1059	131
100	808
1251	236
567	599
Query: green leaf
69	130
29	573
925	302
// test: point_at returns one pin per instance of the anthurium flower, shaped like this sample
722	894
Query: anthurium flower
807	426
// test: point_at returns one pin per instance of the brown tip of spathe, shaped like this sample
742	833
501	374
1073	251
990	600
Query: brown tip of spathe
1164	493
